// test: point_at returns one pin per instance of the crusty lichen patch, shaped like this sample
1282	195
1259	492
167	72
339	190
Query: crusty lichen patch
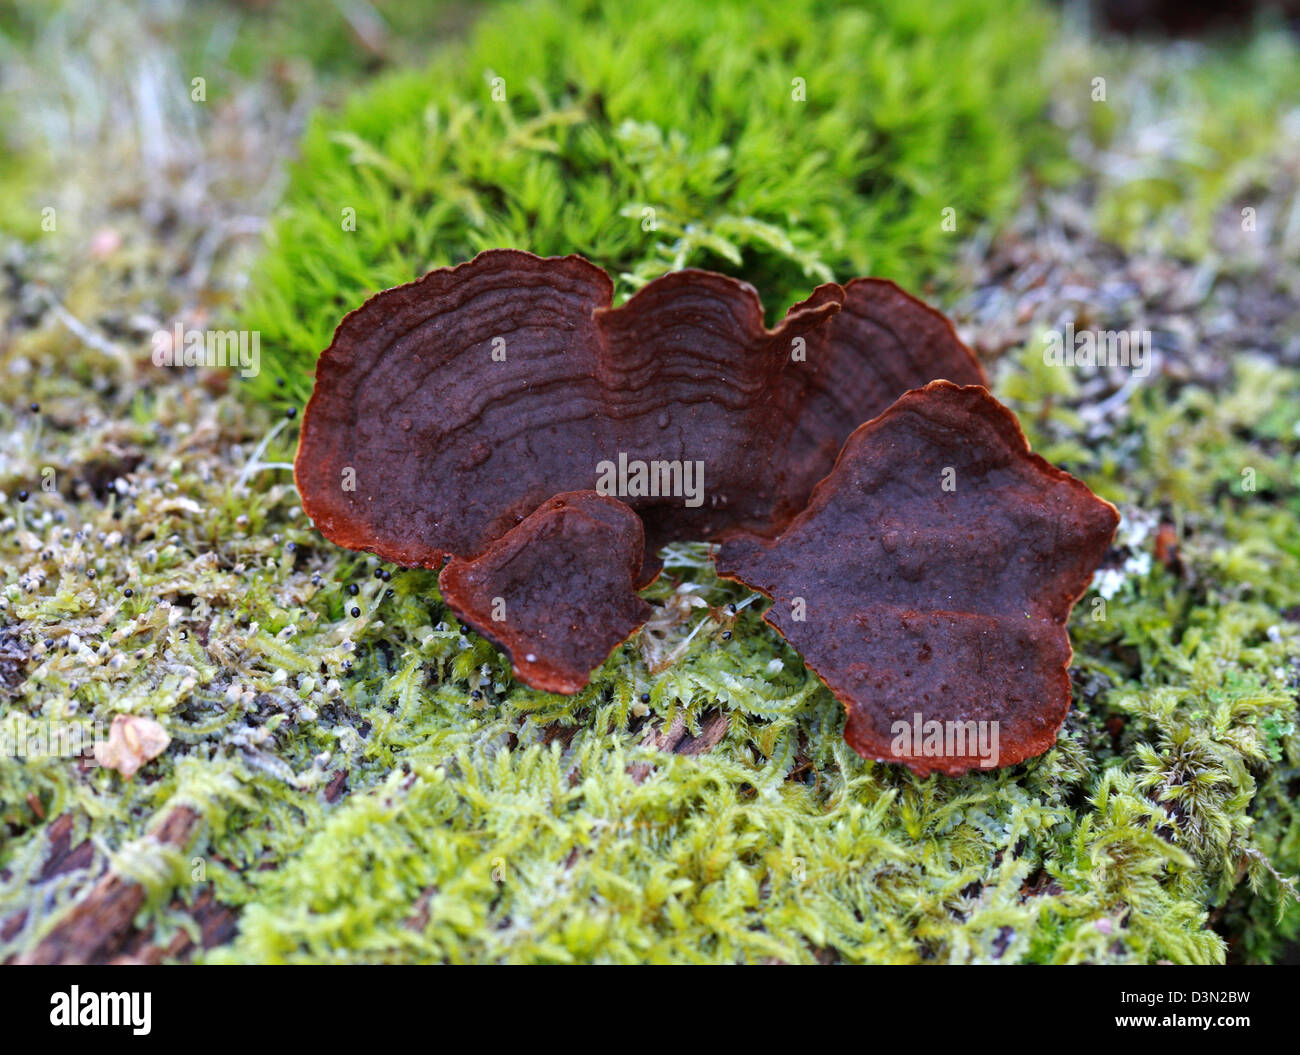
373	786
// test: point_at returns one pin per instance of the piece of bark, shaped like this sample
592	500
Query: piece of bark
94	929
676	739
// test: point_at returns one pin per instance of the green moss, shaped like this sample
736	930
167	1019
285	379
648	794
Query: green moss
1227	117
784	142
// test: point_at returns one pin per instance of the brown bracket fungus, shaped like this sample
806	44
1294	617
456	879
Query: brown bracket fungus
488	414
929	581
558	592
447	410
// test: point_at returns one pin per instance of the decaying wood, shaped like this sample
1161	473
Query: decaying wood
677	740
100	927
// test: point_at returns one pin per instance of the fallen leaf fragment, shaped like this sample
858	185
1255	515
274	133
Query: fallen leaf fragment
132	741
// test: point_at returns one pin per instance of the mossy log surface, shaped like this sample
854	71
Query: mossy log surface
351	777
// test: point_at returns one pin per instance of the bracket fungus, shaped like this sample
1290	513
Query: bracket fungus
557	593
448	409
929	581
502	416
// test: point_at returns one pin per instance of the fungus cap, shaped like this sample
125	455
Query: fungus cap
448	409
929	582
